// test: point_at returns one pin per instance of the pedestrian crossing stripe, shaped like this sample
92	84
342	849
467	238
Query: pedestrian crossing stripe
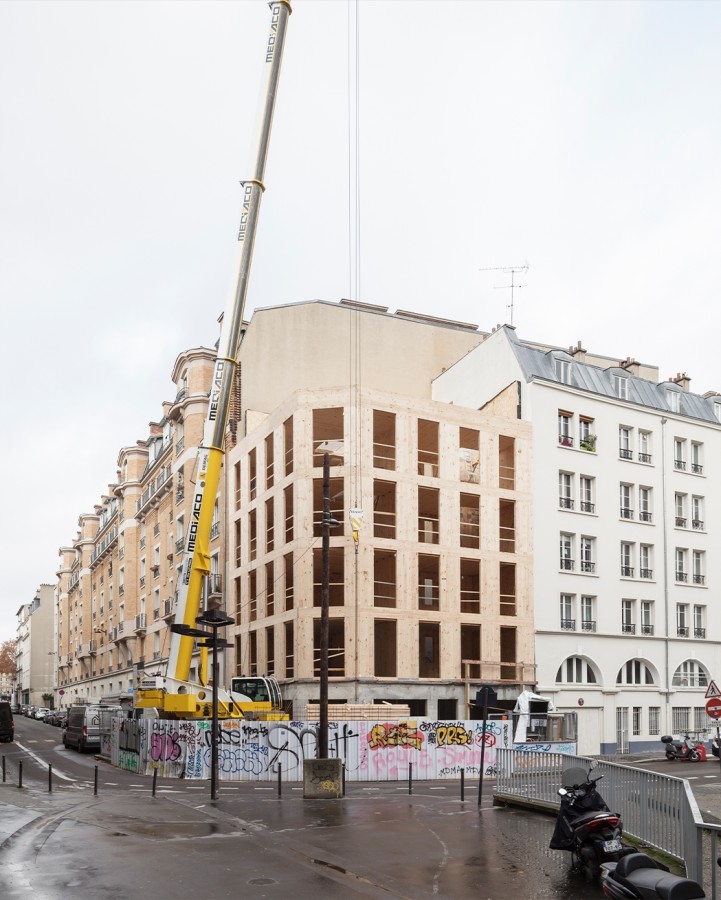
713	690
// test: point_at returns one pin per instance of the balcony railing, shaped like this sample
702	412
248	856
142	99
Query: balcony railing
627	571
699	579
647	629
588	443
215	583
697	468
645	573
565	502
681	576
682	631
644	457
140	622
645	516
628	628
588	625
697	524
680	522
214	530
624	453
588	566
565	440
699	632
587	506
566	564
568	624
680	464
626	513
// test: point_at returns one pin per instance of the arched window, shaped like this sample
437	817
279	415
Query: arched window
635	671
690	674
575	670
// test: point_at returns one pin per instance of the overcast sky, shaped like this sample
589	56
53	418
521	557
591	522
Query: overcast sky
581	137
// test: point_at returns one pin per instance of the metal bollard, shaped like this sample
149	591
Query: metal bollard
463	785
155	780
343	777
410	778
95	788
4	774
20	774
280	769
50	779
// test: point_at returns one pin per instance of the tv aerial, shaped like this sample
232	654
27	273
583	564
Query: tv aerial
512	271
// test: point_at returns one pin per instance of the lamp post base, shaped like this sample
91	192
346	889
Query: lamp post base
322	779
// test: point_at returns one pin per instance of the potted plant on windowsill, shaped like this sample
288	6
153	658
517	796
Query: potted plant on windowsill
588	442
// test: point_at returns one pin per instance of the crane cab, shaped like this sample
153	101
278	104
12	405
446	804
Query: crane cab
258	689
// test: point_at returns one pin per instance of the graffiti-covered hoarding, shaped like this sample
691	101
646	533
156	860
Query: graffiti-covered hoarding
250	750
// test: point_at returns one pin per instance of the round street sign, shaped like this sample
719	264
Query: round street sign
713	707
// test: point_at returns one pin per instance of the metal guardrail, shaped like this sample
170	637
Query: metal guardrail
658	810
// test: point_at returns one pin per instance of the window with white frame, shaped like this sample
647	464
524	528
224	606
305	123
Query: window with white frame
634	671
636	720
697	516
699	621
620	386
679	454
644	446
562	370
644	504
697	458
680	719
588	613
645	561
690	674
565	433
626	559
646	617
575	670
673	398
626	510
698	563
587	494
700	718
654	720
587	554
625	445
565	490
628	625
568	622
566	552
681	570
586	436
717	409
682	620
679	503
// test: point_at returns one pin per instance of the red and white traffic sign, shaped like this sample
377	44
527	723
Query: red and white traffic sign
713	707
712	690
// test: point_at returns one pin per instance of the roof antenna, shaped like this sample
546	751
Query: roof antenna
513	286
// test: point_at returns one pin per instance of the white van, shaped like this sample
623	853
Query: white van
84	725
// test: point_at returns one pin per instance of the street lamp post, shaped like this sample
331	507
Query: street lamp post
327	522
213	619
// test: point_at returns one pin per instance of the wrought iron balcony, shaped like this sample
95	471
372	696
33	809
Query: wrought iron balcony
680	522
645	573
645	516
680	464
697	524
566	564
627	571
699	632
565	502
681	576
682	631
587	506
565	440
628	628
697	468
568	624
699	579
644	457
626	513
647	629
624	453
588	625
588	566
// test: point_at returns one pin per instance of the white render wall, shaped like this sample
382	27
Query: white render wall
476	380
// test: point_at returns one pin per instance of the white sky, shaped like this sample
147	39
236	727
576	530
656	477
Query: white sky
582	137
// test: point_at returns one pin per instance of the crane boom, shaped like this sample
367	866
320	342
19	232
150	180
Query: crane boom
196	555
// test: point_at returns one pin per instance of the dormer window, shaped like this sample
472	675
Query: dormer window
562	369
673	399
620	386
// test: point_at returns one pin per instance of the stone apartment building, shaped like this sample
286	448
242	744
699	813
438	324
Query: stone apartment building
117	581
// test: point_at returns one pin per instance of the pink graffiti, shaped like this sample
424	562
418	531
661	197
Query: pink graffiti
165	747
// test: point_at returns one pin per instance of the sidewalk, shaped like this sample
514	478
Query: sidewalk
250	843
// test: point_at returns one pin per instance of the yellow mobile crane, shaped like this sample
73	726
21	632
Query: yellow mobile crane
173	695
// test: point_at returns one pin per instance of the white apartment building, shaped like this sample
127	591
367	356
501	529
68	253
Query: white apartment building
626	499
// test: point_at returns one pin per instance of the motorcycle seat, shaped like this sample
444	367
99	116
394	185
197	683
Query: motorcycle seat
633	861
655	884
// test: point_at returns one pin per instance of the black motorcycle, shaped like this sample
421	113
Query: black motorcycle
638	877
585	826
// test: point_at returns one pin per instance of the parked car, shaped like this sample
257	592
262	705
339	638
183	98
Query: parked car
41	712
7	725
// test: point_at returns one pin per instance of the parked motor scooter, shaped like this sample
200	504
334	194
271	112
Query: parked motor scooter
688	748
715	742
638	877
585	825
